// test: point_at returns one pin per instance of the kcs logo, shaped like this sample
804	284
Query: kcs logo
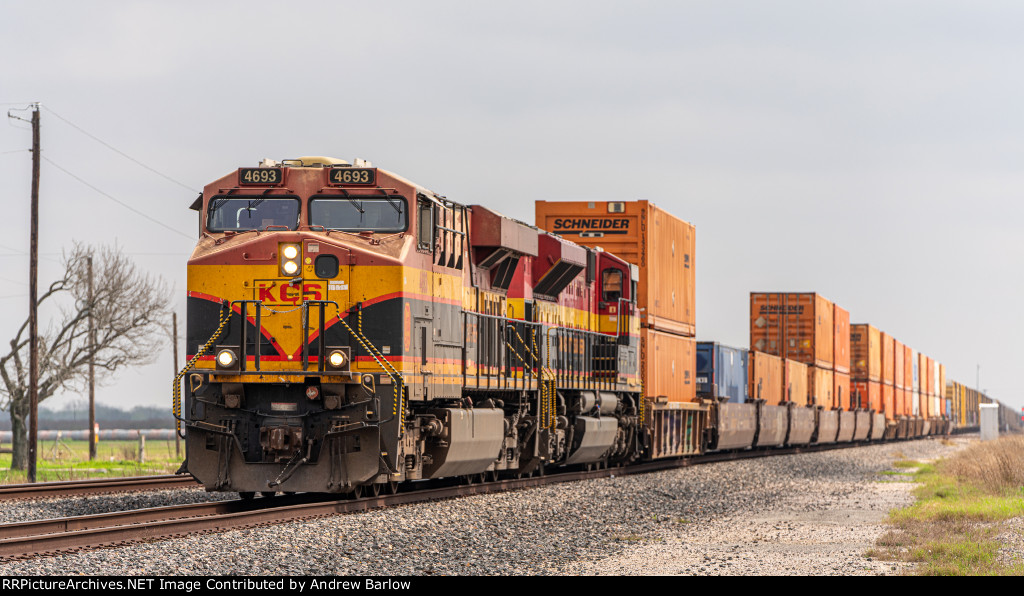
280	292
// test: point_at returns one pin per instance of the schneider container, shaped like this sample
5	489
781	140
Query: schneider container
865	349
659	243
794	325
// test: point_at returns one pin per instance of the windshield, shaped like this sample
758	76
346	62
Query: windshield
355	214
252	213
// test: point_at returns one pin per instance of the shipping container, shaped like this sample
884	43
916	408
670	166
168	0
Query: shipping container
659	243
930	377
915	403
908	368
841	391
765	372
898	368
889	401
924	409
865	352
795	382
840	339
888	358
669	365
721	372
900	402
797	326
866	395
819	386
915	361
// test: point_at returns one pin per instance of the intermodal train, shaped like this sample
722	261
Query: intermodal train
350	330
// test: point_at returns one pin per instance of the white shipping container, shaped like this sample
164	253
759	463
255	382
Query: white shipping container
913	360
916	411
936	413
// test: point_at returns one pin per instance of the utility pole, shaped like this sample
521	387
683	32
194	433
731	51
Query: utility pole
92	371
33	315
174	335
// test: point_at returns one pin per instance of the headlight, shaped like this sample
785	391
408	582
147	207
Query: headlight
289	259
225	359
337	359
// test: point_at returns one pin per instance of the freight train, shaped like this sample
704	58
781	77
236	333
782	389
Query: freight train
349	330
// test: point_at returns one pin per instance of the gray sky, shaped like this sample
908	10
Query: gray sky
866	150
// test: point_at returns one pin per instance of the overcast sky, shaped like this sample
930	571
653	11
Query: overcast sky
870	151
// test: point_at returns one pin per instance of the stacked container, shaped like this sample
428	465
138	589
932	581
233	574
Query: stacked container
841	358
663	247
798	326
721	372
866	369
896	410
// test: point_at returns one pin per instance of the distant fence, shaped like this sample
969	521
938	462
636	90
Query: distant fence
113	434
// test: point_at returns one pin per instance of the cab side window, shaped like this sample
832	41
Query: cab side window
425	226
611	285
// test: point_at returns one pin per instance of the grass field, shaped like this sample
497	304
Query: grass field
69	460
961	518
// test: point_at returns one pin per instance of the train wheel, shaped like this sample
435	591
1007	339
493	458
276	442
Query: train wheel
357	492
247	495
267	493
492	476
392	488
375	489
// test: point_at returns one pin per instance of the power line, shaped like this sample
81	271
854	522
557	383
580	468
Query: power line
116	150
119	202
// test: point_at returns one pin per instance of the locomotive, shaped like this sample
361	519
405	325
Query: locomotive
350	330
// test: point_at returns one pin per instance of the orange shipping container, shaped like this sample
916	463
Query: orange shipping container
889	401
659	243
898	364
841	391
908	370
922	374
866	395
930	381
796	382
765	374
865	351
888	361
941	389
669	364
819	386
797	326
840	339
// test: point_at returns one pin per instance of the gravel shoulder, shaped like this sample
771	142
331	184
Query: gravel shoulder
808	514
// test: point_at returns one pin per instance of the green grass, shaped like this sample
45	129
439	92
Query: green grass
69	460
953	526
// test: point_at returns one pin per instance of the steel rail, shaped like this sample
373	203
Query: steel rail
42	537
67	488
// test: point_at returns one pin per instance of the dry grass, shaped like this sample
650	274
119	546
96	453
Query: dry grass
963	505
995	466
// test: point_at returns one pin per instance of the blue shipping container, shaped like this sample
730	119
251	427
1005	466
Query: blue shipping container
721	371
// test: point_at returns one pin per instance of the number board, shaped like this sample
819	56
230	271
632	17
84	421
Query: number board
261	176
353	176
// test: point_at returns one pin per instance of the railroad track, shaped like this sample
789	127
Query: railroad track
43	537
69	488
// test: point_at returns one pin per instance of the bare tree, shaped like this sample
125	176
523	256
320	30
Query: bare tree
128	307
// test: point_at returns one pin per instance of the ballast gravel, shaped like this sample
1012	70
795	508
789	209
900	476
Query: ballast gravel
807	514
50	508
